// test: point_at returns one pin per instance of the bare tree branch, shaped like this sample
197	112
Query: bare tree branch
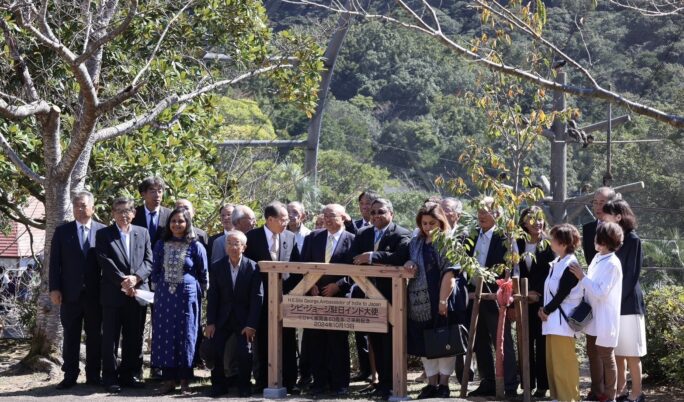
159	42
595	91
94	46
152	115
20	64
17	215
18	162
21	112
123	95
652	8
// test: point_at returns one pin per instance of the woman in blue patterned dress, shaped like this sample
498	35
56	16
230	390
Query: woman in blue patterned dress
179	273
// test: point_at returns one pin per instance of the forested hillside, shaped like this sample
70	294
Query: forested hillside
403	102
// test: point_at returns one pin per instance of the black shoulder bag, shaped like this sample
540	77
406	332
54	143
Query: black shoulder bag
445	341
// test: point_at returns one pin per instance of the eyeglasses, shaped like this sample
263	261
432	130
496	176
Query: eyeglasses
123	210
378	212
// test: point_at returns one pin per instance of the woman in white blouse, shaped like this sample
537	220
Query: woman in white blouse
603	287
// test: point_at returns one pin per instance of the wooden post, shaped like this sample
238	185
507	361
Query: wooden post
525	335
275	339
471	336
399	338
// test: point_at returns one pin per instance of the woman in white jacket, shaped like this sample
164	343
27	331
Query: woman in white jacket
603	288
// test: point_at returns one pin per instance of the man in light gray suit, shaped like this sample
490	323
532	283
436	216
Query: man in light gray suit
243	219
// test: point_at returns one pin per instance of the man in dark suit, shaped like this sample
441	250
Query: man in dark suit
225	213
151	214
489	249
375	245
234	302
364	352
243	220
329	350
273	242
75	287
601	196
365	200
125	257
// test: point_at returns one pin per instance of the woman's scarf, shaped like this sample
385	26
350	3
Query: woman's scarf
419	308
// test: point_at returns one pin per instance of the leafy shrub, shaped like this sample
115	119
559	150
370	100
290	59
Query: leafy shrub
665	334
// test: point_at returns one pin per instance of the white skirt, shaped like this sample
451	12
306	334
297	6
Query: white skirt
632	336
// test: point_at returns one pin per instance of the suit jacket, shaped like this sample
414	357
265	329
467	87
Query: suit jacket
495	254
257	250
115	264
536	273
393	238
71	270
631	257
314	251
210	245
201	237
588	234
243	302
140	219
354	227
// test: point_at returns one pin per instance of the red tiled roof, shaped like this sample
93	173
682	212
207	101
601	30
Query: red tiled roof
18	243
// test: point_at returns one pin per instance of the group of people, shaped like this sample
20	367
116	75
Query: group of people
102	278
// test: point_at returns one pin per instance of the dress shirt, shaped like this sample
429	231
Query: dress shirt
86	231
154	218
234	269
126	240
482	247
300	235
336	239
269	240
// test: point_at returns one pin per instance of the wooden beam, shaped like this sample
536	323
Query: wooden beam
305	284
400	363
471	336
372	293
378	271
525	334
275	331
625	188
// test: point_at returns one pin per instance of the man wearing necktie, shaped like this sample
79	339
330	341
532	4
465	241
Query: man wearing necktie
601	196
151	214
75	287
329	350
378	244
273	242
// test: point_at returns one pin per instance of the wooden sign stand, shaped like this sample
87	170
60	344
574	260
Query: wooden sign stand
312	272
521	301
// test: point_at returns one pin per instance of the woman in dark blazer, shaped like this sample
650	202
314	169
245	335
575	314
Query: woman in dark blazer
632	335
535	259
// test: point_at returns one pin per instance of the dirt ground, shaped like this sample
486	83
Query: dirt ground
37	386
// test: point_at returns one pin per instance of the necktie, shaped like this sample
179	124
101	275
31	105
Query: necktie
378	237
86	242
152	228
274	247
329	248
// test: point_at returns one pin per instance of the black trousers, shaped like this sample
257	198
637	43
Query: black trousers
75	317
289	350
329	358
538	377
484	346
382	347
127	319
362	340
242	353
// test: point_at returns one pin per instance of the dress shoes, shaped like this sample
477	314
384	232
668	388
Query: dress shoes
640	398
428	391
316	392
217	391
304	382
443	391
245	392
511	393
361	377
113	388
540	393
380	393
132	383
622	398
483	390
66	384
368	390
294	390
95	382
591	396
343	391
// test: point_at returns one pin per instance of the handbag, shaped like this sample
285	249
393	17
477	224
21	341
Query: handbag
580	316
445	341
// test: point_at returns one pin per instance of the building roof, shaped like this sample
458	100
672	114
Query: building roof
18	243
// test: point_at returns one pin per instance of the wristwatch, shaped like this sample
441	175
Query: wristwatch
443	302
